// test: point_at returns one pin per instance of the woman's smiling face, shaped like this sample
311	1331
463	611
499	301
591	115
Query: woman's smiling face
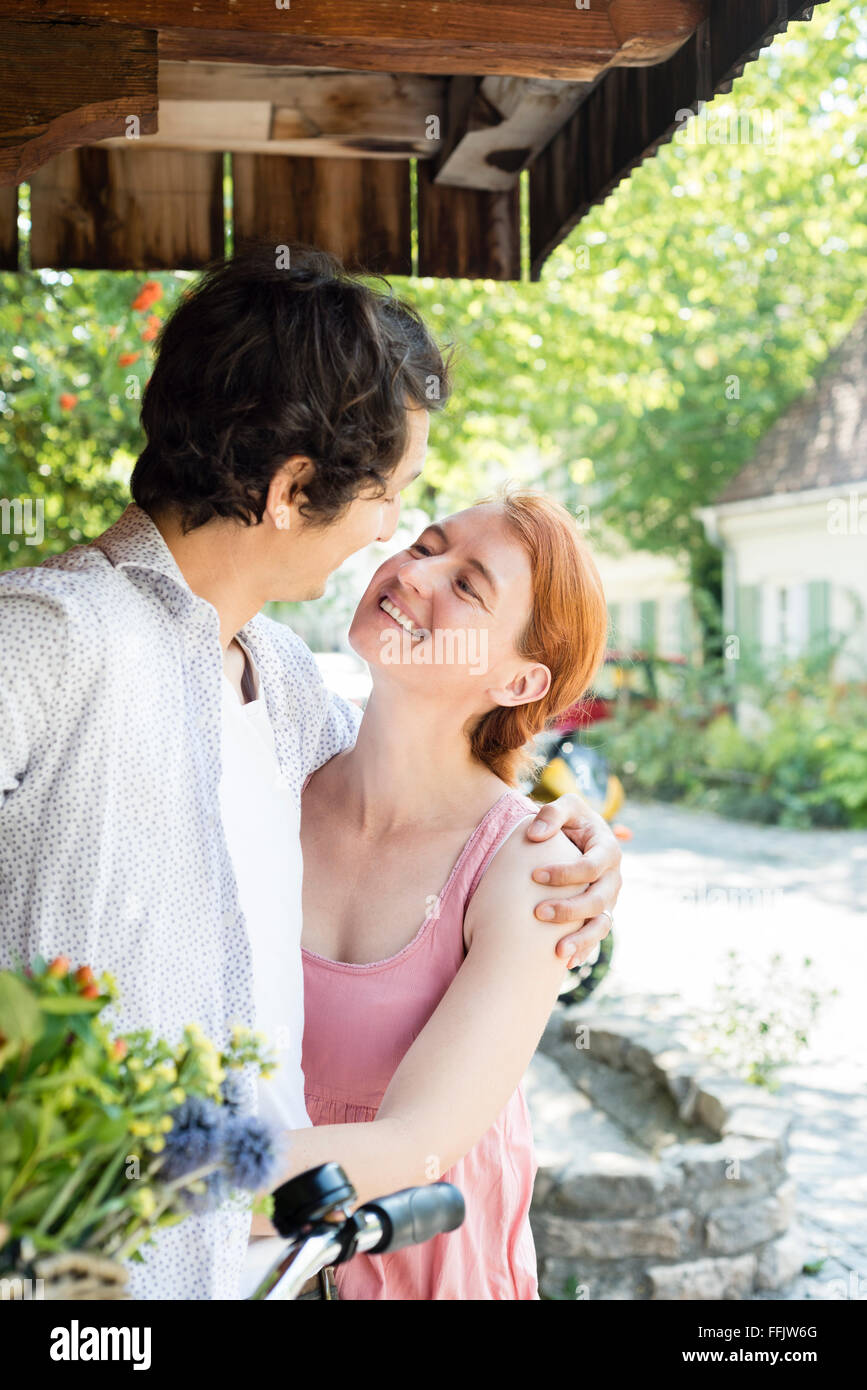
468	577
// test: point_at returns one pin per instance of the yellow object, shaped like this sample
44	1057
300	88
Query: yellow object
556	780
614	798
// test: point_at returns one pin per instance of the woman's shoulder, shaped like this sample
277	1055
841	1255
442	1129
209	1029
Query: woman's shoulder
517	851
507	889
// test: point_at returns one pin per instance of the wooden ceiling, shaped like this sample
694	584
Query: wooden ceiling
118	114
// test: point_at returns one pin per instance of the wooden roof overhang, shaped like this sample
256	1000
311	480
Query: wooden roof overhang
118	114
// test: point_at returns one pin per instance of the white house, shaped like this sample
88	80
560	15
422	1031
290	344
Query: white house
648	599
792	524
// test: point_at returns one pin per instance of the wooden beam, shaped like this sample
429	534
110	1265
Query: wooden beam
127	210
245	108
632	111
540	38
357	209
510	120
9	227
650	34
467	233
68	84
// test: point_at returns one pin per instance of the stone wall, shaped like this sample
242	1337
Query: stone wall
660	1177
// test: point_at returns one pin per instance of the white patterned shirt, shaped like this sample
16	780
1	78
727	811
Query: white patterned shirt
112	849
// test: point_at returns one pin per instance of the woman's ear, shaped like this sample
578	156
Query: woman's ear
532	683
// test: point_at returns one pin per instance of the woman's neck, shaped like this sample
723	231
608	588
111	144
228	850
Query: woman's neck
411	766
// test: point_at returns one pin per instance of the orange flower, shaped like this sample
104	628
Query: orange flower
150	292
68	401
151	328
89	992
119	1049
58	967
127	358
84	975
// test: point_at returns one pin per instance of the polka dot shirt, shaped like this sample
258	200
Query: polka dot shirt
112	849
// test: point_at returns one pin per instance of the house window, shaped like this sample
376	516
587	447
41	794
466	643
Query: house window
748	615
614	633
684	626
783	619
818	614
647	625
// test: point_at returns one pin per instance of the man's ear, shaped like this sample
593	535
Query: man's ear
286	488
531	683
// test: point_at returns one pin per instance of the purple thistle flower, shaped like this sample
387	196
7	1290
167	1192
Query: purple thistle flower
196	1138
250	1151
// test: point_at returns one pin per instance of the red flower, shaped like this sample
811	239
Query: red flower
84	975
119	1049
150	292
127	358
68	401
90	992
151	328
58	967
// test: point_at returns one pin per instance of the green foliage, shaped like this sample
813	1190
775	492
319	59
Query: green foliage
70	396
609	382
797	758
760	1019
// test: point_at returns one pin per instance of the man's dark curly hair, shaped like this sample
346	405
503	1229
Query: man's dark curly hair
258	363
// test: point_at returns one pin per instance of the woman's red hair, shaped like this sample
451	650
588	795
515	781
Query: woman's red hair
566	629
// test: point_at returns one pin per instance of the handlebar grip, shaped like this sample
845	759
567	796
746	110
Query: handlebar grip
416	1214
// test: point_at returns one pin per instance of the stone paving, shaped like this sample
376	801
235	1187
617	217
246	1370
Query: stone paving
695	886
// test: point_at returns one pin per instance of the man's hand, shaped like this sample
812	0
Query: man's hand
598	872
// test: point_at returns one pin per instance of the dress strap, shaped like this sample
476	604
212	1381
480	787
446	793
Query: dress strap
515	810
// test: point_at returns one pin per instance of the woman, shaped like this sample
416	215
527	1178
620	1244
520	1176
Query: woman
427	1030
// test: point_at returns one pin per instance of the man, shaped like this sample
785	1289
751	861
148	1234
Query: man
156	729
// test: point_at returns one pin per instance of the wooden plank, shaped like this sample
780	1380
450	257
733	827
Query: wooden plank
9	227
127	210
631	111
357	209
509	122
546	38
242	107
67	84
648	35
464	232
422	56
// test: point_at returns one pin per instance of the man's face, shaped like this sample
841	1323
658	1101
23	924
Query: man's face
316	552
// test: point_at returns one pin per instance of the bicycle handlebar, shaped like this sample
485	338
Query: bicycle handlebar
416	1214
312	1216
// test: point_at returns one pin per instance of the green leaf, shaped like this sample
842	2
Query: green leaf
72	1004
20	1016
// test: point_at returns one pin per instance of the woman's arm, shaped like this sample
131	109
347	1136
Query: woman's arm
465	1064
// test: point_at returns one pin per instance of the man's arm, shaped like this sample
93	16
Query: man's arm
597	871
464	1066
340	721
33	642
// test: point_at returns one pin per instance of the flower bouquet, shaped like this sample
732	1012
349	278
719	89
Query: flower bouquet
104	1140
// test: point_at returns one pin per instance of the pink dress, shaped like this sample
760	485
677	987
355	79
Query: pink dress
359	1022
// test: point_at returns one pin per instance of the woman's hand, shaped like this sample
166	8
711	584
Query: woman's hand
598	871
261	1225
